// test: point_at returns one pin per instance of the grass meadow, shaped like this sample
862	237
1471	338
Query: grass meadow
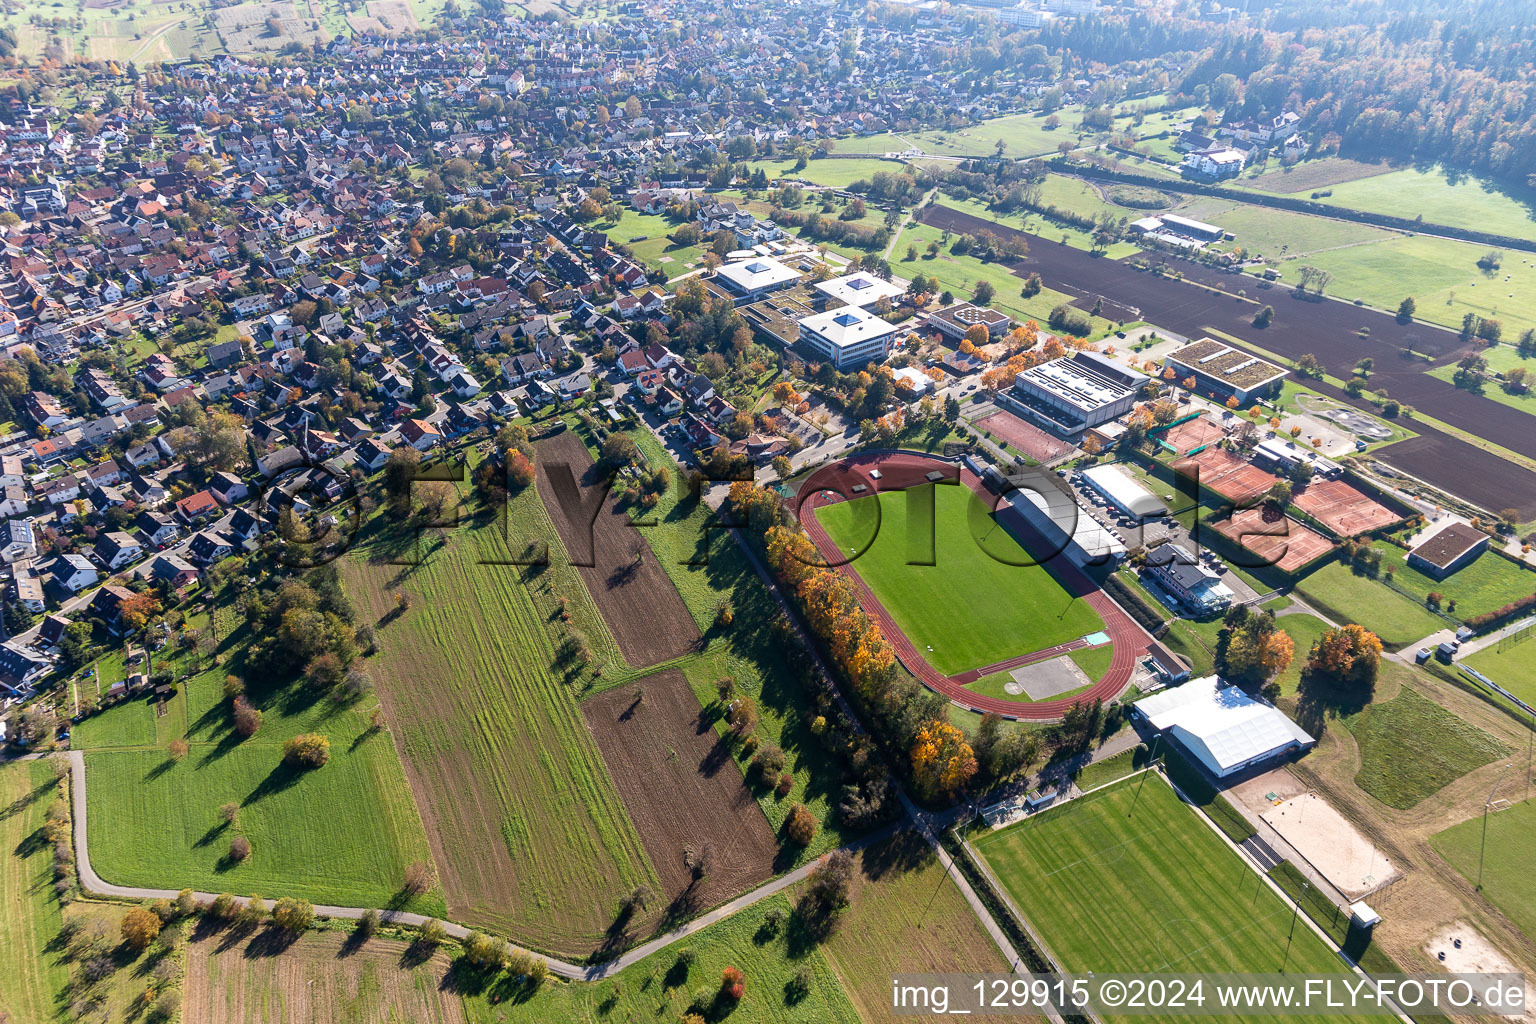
979	602
1513	668
1488	584
1441	197
1129	879
342	834
32	986
1508	881
660	988
1440	273
1346	596
1411	748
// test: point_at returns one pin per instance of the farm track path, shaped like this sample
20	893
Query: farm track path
93	883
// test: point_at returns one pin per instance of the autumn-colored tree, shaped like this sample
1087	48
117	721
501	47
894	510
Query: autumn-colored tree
733	983
519	470
139	928
1256	649
307	750
293	915
134	612
942	762
247	718
800	826
1350	652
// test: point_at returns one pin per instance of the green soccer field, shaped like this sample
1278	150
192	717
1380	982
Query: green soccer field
1506	874
976	604
1121	883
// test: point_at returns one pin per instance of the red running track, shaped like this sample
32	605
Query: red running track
900	470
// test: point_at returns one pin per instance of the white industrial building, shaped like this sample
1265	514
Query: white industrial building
749	280
1220	726
1067	529
1283	453
848	336
862	289
1124	493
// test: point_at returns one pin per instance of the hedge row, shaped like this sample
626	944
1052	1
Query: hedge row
1494	619
1135	605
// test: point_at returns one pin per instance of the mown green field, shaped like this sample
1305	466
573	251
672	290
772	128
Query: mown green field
1129	879
658	988
1411	748
1488	584
1441	197
960	275
1513	668
646	236
834	173
1506	875
1023	135
1440	273
1046	229
905	916
342	834
1279	234
32	986
1348	597
979	602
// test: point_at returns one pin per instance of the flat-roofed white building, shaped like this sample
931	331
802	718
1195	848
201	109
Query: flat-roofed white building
1221	726
848	336
861	289
1124	493
749	280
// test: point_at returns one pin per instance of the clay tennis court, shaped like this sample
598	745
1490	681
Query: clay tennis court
1026	437
1273	538
1185	437
1218	470
1342	508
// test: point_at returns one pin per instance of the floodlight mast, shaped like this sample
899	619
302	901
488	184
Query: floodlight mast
1483	848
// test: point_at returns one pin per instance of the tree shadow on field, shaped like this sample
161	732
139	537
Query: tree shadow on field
1320	696
160	769
33	842
27	799
272	941
211	836
283	777
363	737
417	953
903	852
